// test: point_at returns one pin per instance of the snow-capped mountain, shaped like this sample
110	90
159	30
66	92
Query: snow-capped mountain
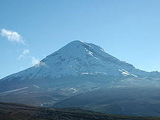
79	58
75	68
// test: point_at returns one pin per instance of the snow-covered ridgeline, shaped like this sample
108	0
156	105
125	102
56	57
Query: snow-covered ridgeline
79	58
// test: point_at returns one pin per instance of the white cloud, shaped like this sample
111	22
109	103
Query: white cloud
16	37
40	64
25	52
12	36
35	61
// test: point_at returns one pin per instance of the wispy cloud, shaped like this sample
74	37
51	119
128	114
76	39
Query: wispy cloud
12	36
40	64
25	52
35	61
16	37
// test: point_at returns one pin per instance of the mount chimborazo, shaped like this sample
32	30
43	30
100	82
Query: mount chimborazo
76	69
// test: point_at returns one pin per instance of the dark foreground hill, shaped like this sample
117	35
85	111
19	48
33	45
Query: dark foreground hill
119	101
10	111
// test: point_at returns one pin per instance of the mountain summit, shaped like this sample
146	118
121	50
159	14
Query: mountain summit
78	67
76	59
79	58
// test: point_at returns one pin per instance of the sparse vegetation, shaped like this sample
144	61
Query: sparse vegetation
12	111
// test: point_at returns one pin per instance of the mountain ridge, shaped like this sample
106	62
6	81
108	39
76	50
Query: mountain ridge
77	58
76	69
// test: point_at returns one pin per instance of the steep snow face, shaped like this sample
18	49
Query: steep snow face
79	58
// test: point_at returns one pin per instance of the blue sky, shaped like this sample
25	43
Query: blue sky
33	29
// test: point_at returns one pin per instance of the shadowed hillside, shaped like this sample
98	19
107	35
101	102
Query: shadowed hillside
10	111
119	101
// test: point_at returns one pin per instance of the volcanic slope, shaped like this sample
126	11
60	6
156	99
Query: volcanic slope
76	68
